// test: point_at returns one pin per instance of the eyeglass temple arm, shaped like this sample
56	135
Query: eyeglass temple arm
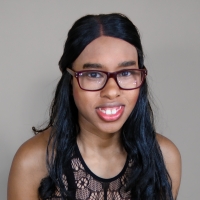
71	72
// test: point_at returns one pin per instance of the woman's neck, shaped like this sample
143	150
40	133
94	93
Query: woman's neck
103	153
100	143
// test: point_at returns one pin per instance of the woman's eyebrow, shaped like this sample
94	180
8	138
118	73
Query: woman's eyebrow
127	63
99	66
92	65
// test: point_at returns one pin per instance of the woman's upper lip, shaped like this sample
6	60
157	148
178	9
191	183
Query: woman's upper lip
110	105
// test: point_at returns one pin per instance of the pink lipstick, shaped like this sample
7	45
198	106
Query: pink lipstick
110	113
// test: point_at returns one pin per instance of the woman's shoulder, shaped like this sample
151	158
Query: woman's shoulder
168	148
28	167
172	159
33	149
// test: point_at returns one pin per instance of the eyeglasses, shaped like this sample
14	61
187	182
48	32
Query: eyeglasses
94	80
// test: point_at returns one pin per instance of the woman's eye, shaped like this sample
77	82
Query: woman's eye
94	74
125	73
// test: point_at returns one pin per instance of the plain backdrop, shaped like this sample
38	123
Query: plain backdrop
32	35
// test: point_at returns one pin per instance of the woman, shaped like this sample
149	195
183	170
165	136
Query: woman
100	142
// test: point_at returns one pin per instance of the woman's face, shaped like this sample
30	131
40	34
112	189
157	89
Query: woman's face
105	111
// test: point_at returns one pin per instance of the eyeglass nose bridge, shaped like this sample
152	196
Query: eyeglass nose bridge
112	75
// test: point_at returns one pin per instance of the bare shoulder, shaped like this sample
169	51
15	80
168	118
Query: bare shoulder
172	159
169	150
28	168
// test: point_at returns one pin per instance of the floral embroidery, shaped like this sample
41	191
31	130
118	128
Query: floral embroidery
115	195
123	180
88	187
82	183
96	195
76	164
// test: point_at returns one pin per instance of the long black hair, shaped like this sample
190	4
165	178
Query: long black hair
149	178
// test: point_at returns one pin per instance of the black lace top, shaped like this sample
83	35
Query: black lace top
85	185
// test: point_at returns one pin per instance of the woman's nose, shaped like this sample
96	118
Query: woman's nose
111	89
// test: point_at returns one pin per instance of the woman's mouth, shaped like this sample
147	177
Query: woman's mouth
110	113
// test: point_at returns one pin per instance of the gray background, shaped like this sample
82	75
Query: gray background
32	34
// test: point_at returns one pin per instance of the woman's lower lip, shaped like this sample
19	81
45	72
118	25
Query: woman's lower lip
110	117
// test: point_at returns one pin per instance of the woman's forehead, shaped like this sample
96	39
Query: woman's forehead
107	51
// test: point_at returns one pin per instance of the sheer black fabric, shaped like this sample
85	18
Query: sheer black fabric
85	185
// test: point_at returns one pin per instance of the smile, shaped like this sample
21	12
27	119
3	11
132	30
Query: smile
110	111
110	114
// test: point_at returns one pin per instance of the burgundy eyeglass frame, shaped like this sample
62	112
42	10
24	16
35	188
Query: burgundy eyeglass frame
109	75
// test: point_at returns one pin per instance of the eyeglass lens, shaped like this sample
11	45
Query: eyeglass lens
95	80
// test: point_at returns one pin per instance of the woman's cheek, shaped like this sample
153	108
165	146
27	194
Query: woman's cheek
76	96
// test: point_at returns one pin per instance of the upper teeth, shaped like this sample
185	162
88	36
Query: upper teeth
110	111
